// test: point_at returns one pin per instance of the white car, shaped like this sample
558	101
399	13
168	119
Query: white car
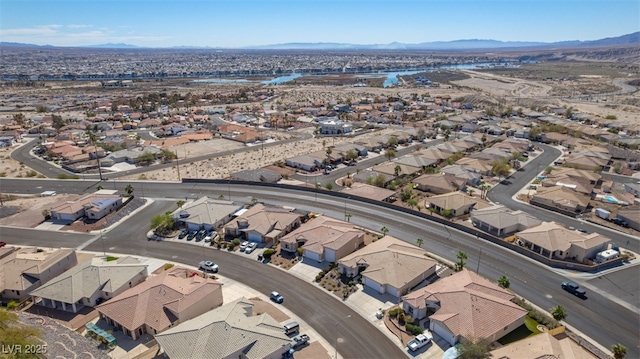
419	341
251	247
208	266
243	246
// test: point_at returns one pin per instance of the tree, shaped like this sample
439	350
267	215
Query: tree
161	223
619	351
503	282
348	216
484	139
329	186
500	168
396	170
389	154
559	313
419	242
129	189
413	204
99	187
392	142
473	348
180	203
351	155
254	200
384	230
462	256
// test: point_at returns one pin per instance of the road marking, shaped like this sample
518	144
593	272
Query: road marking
549	296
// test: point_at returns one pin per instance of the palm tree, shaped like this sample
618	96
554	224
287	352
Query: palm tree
254	200
99	187
397	170
348	216
384	230
129	189
221	196
419	242
503	282
559	313
462	256
619	351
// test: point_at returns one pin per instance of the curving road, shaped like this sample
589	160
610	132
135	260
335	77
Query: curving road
539	284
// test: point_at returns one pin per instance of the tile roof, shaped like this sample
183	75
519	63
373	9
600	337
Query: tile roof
323	232
502	217
158	300
225	331
20	269
554	237
455	200
390	261
85	279
368	191
470	305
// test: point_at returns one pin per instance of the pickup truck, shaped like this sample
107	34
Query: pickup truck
208	266
419	341
573	289
299	340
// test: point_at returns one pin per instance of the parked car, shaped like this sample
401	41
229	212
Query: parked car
276	297
2	244
251	247
210	236
574	289
419	341
299	340
243	246
183	233
192	235
208	266
583	230
200	235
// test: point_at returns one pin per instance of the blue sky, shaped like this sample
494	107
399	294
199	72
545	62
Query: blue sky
237	23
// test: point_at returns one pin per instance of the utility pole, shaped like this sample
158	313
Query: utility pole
177	165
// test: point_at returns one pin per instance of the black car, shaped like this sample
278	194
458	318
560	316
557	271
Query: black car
200	235
574	289
191	235
183	233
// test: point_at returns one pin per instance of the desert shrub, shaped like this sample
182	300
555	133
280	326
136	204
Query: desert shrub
414	329
300	251
168	266
395	312
236	242
12	305
536	315
268	253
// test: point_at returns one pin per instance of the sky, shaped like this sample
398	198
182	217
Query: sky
240	23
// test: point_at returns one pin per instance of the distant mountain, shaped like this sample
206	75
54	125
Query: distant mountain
112	46
468	44
455	45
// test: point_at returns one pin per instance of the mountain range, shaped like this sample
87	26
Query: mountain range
456	45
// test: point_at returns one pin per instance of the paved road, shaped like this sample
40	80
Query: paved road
537	283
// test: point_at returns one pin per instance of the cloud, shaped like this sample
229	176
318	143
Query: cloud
44	30
76	35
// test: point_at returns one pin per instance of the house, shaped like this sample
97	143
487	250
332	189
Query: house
586	161
206	213
257	175
553	241
335	127
231	331
439	183
305	162
25	269
631	215
455	204
90	282
633	188
93	206
501	221
476	165
389	265
543	345
415	161
368	176
465	305
468	174
324	239
369	191
561	199
262	223
161	302
395	169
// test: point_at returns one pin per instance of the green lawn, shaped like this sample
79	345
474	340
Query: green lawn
524	331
